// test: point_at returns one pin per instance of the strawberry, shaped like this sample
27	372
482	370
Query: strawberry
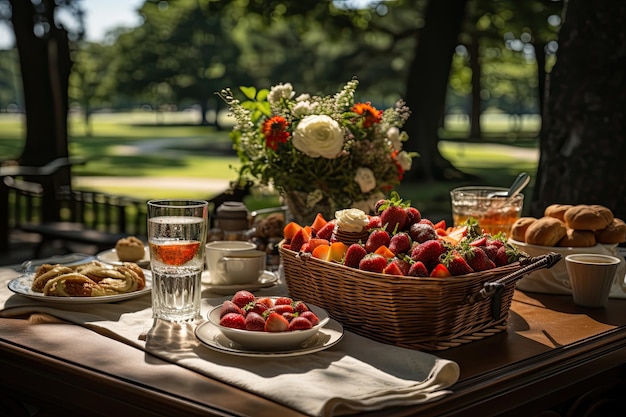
374	223
354	254
326	231
229	307
440	271
299	323
418	269
403	263
254	322
376	239
257	307
441	224
495	242
379	204
481	241
283	301
242	297
491	251
275	323
413	215
478	259
400	243
428	252
393	216
300	307
267	301
427	221
310	316
421	232
282	308
298	240
392	269
373	262
288	316
501	257
456	264
234	321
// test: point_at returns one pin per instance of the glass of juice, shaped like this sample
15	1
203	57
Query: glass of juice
177	232
494	213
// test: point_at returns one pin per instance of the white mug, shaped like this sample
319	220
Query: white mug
591	277
234	262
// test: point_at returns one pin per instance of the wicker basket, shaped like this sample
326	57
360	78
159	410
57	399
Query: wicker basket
418	313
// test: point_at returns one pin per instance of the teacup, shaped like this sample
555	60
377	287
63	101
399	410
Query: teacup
591	277
234	262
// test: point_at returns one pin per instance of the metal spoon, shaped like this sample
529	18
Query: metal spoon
518	185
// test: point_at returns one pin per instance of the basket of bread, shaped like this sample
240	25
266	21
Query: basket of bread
568	229
401	279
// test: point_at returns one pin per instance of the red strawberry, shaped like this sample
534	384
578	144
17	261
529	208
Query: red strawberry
354	254
282	308
418	269
298	240
491	251
457	265
400	243
267	301
413	215
327	230
373	262
392	269
421	232
258	308
427	221
495	242
288	316
374	223
481	241
428	252
440	271
403	264
242	297
254	322
299	323
376	239
275	323
310	316
501	257
300	307
379	204
234	321
283	301
229	307
394	219
478	259
440	225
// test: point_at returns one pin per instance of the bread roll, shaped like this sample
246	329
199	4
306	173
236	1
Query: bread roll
129	249
518	230
578	239
613	233
557	210
546	231
588	217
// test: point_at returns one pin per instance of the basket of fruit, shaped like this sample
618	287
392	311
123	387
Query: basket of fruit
398	278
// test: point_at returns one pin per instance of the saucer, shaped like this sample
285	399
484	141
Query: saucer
211	336
110	257
267	279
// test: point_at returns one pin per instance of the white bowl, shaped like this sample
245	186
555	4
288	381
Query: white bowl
266	341
555	280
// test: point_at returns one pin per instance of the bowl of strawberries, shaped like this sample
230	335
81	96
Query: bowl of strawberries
267	323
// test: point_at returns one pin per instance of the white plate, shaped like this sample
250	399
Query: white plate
110	257
210	336
268	341
267	279
22	286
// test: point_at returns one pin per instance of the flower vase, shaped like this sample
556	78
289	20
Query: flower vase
302	207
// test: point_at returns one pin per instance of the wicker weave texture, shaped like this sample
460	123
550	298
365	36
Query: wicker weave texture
419	313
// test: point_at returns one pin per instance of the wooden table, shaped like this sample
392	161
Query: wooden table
554	356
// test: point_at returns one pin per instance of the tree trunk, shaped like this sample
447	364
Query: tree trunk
476	110
583	140
540	56
45	67
427	86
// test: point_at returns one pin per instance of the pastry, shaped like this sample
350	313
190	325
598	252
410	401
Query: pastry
588	217
613	233
518	230
350	226
546	231
557	210
577	238
129	249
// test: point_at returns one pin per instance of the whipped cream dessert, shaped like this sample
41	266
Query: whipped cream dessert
351	226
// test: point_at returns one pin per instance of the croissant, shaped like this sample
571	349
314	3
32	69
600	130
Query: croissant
73	285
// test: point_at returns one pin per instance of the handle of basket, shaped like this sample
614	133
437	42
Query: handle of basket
494	289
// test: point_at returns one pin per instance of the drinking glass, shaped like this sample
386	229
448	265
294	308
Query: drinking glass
176	234
493	213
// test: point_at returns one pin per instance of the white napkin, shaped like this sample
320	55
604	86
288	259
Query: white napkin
355	375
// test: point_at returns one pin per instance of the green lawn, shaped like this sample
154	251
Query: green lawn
168	145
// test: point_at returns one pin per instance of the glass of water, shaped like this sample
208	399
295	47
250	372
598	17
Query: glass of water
176	234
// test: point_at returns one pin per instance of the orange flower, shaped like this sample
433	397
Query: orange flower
371	115
275	131
394	157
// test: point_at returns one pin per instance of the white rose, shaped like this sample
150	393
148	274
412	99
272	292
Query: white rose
317	136
365	178
393	134
404	159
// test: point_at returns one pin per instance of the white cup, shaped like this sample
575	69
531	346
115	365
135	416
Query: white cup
591	277
234	262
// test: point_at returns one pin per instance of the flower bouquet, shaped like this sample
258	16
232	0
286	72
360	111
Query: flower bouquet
321	153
